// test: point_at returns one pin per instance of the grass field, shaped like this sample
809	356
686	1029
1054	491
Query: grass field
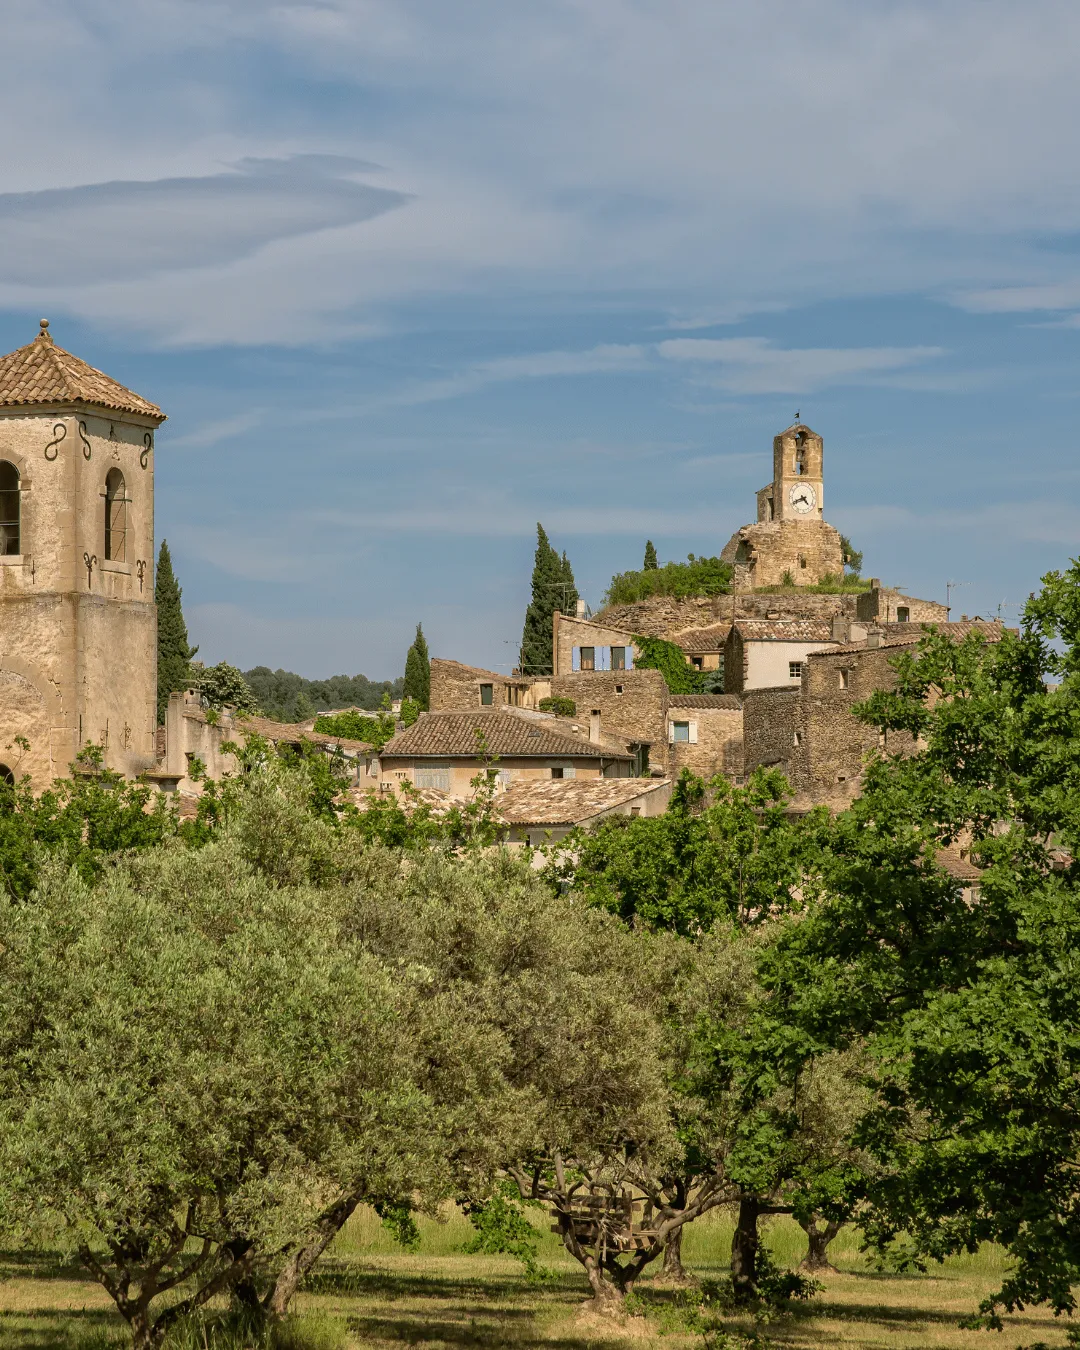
370	1294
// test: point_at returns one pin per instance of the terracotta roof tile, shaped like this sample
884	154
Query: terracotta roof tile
908	634
505	733
785	630
710	639
569	801
43	373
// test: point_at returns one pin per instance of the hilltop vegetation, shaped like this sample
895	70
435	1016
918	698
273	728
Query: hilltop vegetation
291	698
696	576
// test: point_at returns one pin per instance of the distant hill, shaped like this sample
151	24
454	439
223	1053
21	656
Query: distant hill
287	697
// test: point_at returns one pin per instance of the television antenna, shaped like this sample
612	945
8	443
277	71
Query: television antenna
951	586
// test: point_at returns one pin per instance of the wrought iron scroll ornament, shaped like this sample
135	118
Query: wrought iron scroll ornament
148	445
140	568
59	432
86	447
89	559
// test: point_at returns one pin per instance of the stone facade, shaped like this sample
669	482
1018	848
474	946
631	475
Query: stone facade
630	703
771	720
456	687
790	540
665	617
715	742
571	635
78	652
768	653
881	604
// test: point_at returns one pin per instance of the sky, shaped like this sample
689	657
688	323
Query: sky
409	276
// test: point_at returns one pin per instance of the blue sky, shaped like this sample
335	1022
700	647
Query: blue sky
408	277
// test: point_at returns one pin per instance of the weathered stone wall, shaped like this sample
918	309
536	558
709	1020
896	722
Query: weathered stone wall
456	687
570	633
883	605
719	747
632	703
771	720
761	554
664	617
79	629
835	744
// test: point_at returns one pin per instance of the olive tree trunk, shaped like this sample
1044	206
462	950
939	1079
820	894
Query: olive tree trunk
744	1249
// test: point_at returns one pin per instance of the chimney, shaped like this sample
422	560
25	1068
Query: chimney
594	726
580	611
873	638
875	583
840	629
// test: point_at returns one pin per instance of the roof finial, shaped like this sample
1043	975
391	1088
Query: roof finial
798	414
43	324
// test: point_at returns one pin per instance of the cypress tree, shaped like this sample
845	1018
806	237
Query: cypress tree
173	652
552	588
417	684
651	564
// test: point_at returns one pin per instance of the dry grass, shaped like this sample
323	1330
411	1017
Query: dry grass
442	1299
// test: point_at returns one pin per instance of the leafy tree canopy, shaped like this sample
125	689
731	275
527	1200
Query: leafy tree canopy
670	660
969	1006
223	686
279	692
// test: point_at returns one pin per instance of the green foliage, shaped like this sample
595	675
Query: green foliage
417	683
279	693
670	661
239	1329
355	726
719	854
410	711
696	576
561	707
173	650
969	1009
830	584
852	557
650	564
553	588
223	686
502	1227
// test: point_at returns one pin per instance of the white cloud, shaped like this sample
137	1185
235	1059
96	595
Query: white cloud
753	365
1021	299
213	433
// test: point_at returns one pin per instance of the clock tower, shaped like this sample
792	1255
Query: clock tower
790	544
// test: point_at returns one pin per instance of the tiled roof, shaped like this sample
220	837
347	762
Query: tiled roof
43	373
505	733
785	630
732	701
710	639
959	867
568	801
283	733
479	670
908	634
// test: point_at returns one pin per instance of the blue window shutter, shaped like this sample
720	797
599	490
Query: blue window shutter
629	658
575	659
603	655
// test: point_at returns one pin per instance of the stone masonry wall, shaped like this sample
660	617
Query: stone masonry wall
571	633
719	747
771	719
882	605
456	687
663	616
761	554
632	703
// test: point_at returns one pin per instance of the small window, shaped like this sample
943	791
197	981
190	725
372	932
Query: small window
794	670
115	517
9	508
903	614
563	771
635	810
588	658
618	688
505	777
432	778
844	679
486	695
618	658
798	738
680	731
697	662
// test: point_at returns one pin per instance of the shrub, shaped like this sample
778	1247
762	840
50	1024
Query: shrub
561	707
696	576
670	661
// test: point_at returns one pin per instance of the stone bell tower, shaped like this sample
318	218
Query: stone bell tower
78	624
790	543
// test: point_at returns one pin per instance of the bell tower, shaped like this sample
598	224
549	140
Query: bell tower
797	489
78	624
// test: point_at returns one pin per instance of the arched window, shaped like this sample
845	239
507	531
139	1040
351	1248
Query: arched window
9	508
800	454
115	517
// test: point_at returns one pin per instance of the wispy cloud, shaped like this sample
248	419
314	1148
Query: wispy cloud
753	365
1056	295
213	433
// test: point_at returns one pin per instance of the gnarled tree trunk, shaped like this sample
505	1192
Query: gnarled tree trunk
744	1249
673	1266
818	1236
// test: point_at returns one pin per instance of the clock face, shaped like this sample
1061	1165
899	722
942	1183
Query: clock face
802	497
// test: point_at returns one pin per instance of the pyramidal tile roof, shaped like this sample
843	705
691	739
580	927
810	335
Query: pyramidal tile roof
43	373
